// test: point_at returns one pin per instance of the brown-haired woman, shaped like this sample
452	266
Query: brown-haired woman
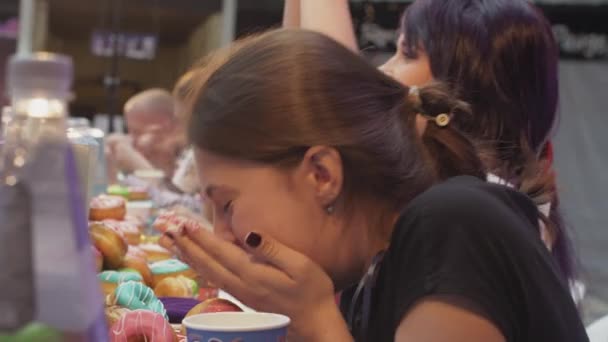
327	171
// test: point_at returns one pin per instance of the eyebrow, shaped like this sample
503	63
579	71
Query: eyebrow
209	190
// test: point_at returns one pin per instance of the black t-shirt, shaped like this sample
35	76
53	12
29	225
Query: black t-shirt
478	242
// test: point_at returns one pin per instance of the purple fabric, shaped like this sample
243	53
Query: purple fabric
98	331
177	308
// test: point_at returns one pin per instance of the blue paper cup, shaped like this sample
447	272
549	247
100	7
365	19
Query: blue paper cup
236	327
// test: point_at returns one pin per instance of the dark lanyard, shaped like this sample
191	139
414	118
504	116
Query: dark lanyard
366	284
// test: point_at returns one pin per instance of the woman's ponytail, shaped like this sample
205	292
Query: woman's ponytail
450	152
538	181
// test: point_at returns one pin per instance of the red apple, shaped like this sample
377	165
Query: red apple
212	305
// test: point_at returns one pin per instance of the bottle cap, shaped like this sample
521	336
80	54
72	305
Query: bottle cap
40	73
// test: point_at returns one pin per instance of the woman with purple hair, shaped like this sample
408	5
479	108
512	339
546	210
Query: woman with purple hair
498	55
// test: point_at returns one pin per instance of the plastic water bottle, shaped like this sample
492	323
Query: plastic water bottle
41	169
81	132
5	118
18	303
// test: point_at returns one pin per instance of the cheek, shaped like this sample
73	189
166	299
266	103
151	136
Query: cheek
284	218
417	73
254	214
243	221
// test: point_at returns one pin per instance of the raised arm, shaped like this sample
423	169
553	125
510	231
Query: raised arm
291	14
328	17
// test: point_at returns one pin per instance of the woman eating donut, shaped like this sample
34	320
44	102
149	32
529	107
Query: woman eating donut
326	175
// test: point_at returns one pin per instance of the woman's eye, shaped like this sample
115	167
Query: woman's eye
408	54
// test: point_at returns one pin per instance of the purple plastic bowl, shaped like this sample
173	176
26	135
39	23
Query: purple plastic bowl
177	308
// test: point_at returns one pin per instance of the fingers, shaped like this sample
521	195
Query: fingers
235	259
205	265
166	242
228	254
270	250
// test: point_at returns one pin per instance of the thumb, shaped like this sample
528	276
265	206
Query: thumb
277	254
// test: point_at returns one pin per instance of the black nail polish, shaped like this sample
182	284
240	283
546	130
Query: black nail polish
253	240
170	235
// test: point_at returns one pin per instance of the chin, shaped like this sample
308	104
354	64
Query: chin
341	282
345	279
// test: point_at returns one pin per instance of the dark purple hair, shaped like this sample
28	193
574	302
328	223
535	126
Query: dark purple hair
501	57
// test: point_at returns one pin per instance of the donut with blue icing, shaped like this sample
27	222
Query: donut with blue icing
111	279
170	268
134	295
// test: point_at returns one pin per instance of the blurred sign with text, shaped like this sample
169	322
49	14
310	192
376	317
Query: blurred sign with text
140	46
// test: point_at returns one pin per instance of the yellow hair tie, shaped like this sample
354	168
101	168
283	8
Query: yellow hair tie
442	120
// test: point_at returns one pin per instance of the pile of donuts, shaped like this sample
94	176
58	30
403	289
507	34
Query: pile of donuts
146	289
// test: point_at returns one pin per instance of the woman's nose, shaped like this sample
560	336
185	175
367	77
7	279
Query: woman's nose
386	67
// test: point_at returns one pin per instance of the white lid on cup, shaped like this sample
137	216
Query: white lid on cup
236	321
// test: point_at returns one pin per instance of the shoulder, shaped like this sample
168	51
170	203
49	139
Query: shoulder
458	320
467	195
468	204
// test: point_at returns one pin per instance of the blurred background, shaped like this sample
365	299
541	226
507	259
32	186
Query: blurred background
121	47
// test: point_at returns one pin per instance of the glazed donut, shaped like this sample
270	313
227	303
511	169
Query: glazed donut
134	295
111	279
98	259
155	252
133	260
130	231
142	325
110	243
115	313
170	268
138	193
105	207
179	286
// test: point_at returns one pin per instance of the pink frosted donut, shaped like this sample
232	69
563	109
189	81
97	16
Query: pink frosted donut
142	323
170	221
105	207
137	252
136	221
128	229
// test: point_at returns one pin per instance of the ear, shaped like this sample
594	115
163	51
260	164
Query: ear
323	169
